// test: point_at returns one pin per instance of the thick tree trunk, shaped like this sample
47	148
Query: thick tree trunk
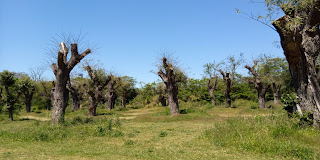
48	104
227	81
301	47
262	97
276	92
62	71
28	100
171	86
10	110
92	108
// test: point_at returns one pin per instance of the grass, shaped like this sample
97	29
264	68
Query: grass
202	132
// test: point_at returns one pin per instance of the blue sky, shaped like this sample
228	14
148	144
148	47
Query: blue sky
129	33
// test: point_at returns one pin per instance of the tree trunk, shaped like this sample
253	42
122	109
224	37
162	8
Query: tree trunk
48	104
262	97
10	109
124	99
276	92
227	81
75	105
92	108
162	100
62	71
171	86
28	105
301	47
260	86
111	95
212	88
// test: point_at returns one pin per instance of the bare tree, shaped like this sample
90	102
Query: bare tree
168	77
260	86
62	71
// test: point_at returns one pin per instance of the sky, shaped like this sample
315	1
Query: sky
128	35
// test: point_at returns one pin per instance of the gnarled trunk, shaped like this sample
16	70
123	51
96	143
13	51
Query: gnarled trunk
171	86
301	47
62	71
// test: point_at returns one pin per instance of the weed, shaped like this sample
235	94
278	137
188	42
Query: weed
163	134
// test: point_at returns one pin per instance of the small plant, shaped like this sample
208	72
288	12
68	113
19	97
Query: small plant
129	143
289	103
163	134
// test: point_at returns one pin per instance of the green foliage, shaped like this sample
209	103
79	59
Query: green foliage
289	103
163	134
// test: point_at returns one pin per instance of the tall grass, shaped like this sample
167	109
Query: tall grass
272	135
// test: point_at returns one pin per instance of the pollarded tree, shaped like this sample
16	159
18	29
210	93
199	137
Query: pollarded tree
260	86
27	88
111	94
99	80
124	85
300	39
62	71
168	75
211	71
227	81
12	92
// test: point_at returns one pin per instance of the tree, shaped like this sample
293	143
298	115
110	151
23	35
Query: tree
27	88
232	64
300	39
168	75
274	71
210	70
12	92
62	71
124	85
161	92
260	86
111	95
98	82
46	93
227	81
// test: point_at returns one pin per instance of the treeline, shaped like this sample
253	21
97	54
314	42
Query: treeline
20	91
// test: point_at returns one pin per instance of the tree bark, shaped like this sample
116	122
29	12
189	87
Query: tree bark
111	95
211	89
301	45
171	87
62	71
227	81
276	92
260	86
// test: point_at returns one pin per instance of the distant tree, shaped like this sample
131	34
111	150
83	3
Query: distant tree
161	92
36	73
211	72
99	80
260	86
46	93
227	81
124	85
167	72
12	92
27	88
112	95
232	64
62	71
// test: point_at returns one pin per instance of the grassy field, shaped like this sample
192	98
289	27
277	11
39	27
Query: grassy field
201	132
